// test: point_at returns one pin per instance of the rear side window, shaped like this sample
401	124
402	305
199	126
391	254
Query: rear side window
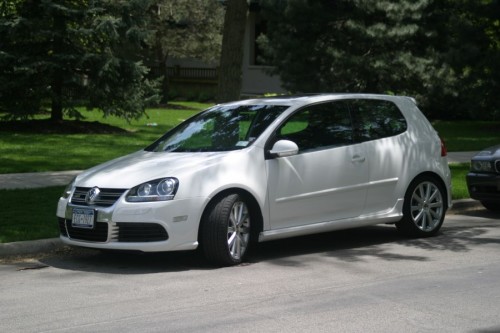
319	126
376	119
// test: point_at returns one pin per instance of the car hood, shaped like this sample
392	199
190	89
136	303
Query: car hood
493	151
131	170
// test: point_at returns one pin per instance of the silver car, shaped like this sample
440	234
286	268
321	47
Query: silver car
264	169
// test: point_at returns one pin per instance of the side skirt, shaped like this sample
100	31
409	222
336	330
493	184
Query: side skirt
391	216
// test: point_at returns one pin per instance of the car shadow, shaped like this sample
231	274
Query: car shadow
363	244
346	245
481	212
125	262
353	245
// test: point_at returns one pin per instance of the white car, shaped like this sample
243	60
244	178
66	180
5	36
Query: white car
264	169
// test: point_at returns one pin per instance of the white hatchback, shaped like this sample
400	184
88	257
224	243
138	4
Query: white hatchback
264	169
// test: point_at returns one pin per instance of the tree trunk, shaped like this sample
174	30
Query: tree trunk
56	113
161	58
165	86
231	61
58	74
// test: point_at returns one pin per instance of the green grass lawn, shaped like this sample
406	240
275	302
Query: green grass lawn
468	135
459	186
29	214
29	152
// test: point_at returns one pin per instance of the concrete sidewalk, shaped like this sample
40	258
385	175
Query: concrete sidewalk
461	157
61	178
36	179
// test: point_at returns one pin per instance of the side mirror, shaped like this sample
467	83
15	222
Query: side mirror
284	148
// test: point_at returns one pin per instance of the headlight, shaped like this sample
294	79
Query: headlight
156	190
481	166
68	189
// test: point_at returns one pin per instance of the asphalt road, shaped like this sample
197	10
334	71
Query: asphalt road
363	280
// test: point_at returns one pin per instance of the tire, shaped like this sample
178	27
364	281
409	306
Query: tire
225	231
491	205
424	208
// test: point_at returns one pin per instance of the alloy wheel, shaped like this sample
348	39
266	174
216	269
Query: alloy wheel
427	206
238	231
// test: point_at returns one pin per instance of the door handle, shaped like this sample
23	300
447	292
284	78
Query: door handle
358	159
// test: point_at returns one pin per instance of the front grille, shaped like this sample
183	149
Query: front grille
139	232
106	198
98	234
497	166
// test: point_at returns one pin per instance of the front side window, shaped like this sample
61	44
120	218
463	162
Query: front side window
220	128
319	126
376	119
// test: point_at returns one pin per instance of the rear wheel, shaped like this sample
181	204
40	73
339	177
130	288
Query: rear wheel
225	230
491	205
423	209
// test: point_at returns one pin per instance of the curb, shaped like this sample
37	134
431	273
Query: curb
462	205
29	247
46	245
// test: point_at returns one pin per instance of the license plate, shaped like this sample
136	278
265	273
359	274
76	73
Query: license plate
83	218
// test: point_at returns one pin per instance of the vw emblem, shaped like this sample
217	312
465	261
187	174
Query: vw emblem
92	195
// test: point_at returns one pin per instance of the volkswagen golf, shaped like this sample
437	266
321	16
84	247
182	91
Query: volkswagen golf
263	169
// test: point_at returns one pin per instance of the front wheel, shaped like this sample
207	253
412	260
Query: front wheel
225	230
423	209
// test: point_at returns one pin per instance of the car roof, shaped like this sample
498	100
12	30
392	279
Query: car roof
303	99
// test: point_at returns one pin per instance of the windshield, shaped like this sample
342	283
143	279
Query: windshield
220	128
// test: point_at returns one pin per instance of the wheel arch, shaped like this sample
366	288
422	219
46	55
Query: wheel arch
257	218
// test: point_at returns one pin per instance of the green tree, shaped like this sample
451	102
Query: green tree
446	53
56	54
474	54
183	29
8	7
118	77
361	46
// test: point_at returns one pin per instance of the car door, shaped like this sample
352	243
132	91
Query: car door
380	126
327	179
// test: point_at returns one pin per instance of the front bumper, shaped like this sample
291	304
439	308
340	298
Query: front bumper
483	187
146	226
